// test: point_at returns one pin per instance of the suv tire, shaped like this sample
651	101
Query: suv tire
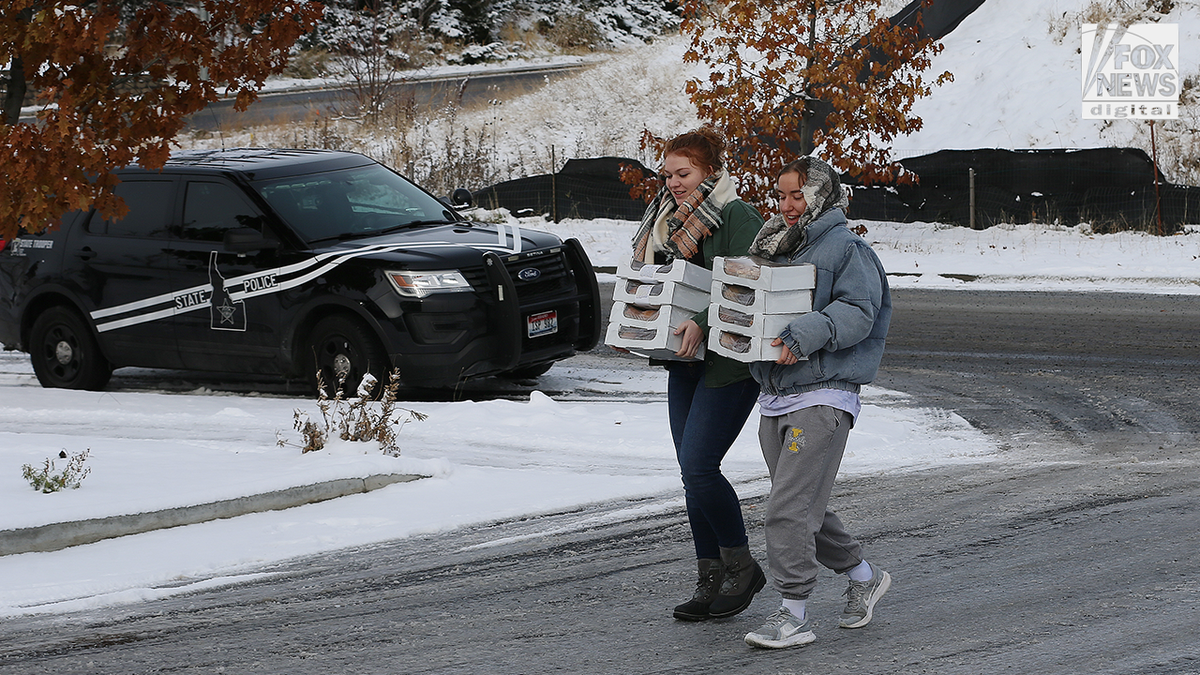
65	353
344	349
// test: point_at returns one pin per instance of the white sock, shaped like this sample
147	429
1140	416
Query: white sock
796	607
861	572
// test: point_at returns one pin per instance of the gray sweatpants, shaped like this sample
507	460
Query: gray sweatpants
803	450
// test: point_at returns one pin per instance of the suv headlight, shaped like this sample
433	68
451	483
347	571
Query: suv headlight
421	284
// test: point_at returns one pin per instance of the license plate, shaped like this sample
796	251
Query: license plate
543	323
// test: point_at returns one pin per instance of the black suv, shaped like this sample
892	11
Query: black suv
286	262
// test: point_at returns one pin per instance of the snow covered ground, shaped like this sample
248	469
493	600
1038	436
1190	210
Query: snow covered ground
1003	257
499	459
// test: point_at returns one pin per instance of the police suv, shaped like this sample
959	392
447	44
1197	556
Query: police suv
292	262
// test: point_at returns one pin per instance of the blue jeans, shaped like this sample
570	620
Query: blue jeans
704	424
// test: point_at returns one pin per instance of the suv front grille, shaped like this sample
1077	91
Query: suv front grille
551	282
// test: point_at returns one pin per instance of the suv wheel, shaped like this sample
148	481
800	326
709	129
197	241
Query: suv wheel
344	349
65	353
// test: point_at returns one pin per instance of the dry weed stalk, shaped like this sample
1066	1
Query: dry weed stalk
46	481
357	419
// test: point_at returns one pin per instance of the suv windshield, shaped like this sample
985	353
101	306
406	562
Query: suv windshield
356	202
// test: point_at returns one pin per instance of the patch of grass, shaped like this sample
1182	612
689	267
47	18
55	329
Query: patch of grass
308	64
575	34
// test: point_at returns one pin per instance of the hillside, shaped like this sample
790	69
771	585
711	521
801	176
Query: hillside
1016	86
1017	74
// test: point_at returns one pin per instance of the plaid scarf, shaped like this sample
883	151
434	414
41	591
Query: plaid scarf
823	191
685	226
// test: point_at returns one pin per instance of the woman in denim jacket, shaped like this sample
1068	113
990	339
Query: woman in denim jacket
809	398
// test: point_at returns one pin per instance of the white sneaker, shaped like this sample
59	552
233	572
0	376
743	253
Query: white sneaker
782	629
861	597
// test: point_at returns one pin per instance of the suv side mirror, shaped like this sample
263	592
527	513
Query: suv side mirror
462	197
243	240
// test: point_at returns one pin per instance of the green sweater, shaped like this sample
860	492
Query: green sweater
740	222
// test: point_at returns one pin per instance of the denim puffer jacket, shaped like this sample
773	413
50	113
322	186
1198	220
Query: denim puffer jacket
843	336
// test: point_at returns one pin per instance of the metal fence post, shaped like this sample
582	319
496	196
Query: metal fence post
1157	198
553	186
971	192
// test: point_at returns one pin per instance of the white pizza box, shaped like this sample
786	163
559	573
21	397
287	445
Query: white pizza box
649	342
660	293
757	273
759	301
738	320
744	348
679	271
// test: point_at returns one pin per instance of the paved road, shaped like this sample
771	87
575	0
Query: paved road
1075	553
426	93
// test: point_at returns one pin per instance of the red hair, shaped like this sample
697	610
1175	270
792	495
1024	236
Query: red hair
704	146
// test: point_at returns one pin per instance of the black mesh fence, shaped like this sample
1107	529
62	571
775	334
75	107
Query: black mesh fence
1112	189
585	188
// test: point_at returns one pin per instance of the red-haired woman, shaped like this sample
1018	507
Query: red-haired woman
696	216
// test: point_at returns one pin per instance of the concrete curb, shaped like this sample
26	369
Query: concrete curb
57	536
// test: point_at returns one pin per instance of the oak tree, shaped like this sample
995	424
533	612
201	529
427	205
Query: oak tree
112	83
787	77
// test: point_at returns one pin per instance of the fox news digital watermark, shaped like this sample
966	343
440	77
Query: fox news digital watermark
1130	72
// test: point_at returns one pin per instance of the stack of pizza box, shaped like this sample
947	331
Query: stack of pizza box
753	300
651	301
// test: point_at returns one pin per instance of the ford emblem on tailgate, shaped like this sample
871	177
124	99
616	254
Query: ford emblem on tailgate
529	274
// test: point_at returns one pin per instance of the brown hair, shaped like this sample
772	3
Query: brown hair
799	166
704	146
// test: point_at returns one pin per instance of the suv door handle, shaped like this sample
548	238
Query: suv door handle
87	253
